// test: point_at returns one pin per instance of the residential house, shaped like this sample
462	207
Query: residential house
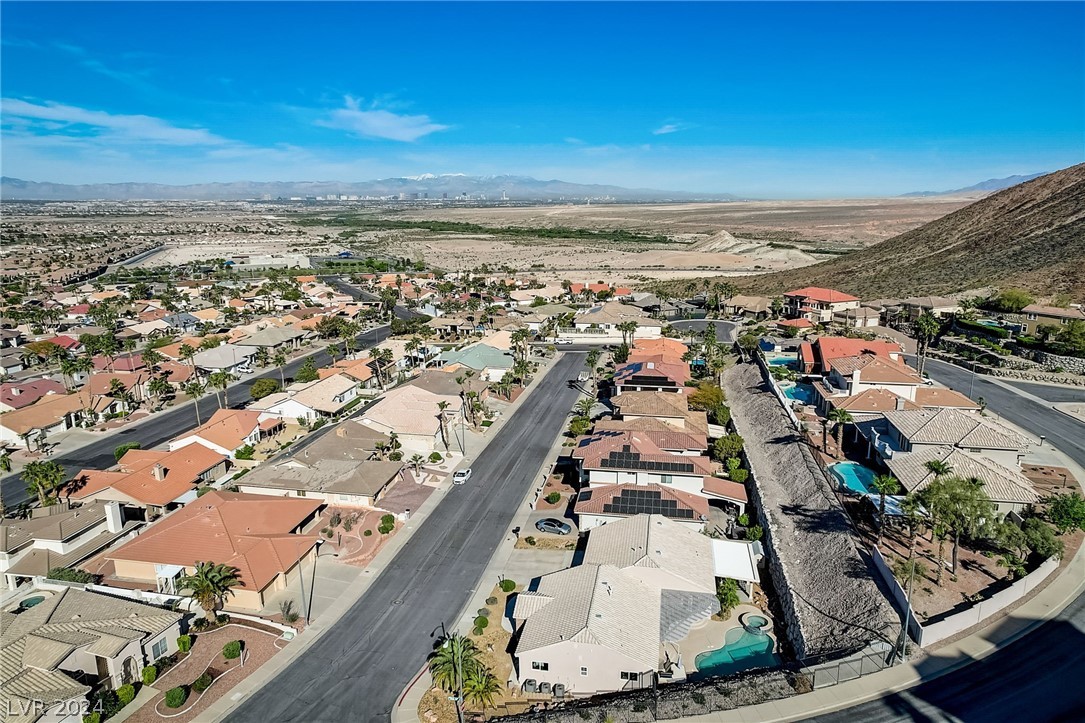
603	320
360	371
276	339
229	430
664	346
55	651
11	361
55	413
815	356
17	395
183	322
752	307
849	376
229	358
652	373
573	627
912	430
411	412
929	397
940	306
859	318
817	304
156	481
309	401
665	406
597	506
58	537
489	363
669	438
338	482
1037	315
265	537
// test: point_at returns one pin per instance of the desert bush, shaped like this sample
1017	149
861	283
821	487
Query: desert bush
202	683
126	693
184	643
491	601
176	697
507	585
149	675
553	498
367	533
286	609
232	650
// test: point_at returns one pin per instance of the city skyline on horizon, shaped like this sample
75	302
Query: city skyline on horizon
648	97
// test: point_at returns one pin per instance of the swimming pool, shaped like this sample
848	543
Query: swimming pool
800	392
783	361
741	651
853	477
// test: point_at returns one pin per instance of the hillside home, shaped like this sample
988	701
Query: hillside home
1010	490
816	357
664	406
751	307
652	373
817	304
850	376
55	651
1036	316
603	320
265	537
912	307
905	431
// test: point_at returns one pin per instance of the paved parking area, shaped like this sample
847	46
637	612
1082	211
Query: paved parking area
332	580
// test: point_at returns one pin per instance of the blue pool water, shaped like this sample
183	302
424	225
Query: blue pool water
741	651
800	392
783	361
853	477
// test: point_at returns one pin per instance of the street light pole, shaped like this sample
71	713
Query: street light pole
312	585
972	381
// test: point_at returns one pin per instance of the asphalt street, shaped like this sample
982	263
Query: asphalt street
356	670
726	331
164	426
1050	392
1036	678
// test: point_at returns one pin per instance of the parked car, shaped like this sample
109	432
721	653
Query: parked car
461	476
553	526
563	341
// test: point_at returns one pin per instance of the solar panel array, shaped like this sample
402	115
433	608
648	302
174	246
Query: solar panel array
632	460
646	502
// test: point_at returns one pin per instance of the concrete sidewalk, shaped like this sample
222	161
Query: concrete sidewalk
329	617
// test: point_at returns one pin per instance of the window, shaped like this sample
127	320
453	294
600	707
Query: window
1032	317
976	450
583	670
536	665
158	649
630	676
301	493
666	479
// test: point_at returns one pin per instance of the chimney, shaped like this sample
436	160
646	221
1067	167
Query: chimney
159	472
114	520
900	404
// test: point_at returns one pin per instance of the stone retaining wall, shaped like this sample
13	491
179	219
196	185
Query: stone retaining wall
827	593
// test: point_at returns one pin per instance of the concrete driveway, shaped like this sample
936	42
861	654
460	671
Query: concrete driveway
332	579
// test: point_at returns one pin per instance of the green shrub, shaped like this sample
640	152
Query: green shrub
388	523
481	622
553	498
232	650
184	643
126	693
149	675
507	585
202	683
367	533
94	717
484	612
477	632
176	697
335	520
435	457
202	491
222	619
68	574
697	698
530	539
491	601
122	449
755	533
245	452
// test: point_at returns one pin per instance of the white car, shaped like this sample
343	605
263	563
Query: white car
563	341
461	476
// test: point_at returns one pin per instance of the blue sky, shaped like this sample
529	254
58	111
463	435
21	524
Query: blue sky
767	99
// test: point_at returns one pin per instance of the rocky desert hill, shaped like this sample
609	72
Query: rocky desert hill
1031	235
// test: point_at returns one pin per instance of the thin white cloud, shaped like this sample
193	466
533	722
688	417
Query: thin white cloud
115	127
667	128
380	123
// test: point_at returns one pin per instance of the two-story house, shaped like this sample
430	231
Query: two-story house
817	304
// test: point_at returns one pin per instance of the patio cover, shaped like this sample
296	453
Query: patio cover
735	560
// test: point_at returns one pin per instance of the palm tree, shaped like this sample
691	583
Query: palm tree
592	359
381	448
883	484
441	407
926	329
43	479
159	387
195	390
938	468
584	406
962	506
480	686
211	585
186	352
841	417
416	461
452	662
220	382
279	360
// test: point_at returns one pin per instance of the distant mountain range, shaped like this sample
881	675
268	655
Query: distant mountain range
515	188
1031	235
980	189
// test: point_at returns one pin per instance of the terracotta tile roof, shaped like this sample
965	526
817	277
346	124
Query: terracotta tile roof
120	363
837	347
725	488
64	341
652	404
872	401
663	345
873	368
100	384
930	397
22	394
253	533
796	323
181	470
46	412
662	434
817	293
227	428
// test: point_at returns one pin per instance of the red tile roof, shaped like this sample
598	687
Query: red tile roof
796	323
22	394
817	293
253	533
601	497
724	488
181	472
599	446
